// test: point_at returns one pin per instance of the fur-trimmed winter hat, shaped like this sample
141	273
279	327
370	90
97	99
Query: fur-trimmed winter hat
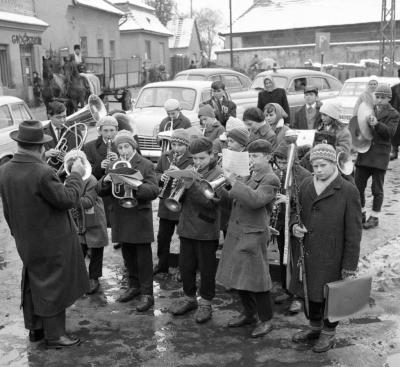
323	151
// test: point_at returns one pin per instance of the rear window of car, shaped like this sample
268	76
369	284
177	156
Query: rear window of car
156	97
190	77
232	82
5	117
279	81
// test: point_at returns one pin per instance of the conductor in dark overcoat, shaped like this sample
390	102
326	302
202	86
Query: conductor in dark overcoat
331	226
35	205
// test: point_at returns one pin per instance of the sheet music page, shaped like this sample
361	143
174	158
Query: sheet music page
236	162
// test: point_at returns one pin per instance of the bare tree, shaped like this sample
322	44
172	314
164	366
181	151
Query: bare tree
164	9
208	21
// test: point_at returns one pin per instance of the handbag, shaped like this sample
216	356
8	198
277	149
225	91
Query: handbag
344	298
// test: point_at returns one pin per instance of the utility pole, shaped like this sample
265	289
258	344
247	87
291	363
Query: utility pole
388	36
230	32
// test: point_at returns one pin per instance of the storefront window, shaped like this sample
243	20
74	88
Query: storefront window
5	70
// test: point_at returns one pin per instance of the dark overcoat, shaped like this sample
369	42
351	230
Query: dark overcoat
181	122
395	102
217	105
300	118
96	152
35	205
134	225
244	261
163	164
278	95
379	153
332	243
264	132
200	217
95	222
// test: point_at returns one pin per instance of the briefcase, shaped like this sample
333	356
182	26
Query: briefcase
344	298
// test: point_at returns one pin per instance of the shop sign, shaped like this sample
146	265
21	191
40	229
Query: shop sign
25	40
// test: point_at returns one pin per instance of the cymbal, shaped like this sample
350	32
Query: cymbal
363	114
359	142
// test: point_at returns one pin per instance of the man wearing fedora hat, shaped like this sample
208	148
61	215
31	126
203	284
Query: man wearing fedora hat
35	205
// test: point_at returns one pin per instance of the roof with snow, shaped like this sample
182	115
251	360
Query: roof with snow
100	5
268	15
138	3
137	20
19	18
182	30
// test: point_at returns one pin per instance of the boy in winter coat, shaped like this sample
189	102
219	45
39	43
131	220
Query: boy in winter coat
198	230
211	126
376	160
259	129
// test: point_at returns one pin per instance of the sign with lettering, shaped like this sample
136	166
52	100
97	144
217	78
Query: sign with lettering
25	40
322	40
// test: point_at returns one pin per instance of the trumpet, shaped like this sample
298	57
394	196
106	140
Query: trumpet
173	201
208	188
167	182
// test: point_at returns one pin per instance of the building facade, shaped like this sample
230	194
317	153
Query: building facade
21	34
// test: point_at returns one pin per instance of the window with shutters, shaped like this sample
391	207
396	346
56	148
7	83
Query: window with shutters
5	69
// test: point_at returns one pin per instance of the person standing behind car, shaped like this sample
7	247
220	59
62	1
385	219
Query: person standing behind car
271	94
307	117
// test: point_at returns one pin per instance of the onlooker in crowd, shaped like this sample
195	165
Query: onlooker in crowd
36	207
133	227
37	89
307	117
375	161
212	128
271	94
244	261
254	119
395	102
177	158
198	230
274	116
222	106
331	240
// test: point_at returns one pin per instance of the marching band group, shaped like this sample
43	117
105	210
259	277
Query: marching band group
304	201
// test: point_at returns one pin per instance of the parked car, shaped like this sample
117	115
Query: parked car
233	80
352	88
293	81
148	109
12	111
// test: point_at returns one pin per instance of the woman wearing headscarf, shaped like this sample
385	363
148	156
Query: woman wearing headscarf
368	95
271	94
275	116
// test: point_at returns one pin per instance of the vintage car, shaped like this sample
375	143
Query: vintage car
293	81
12	111
352	88
148	109
233	80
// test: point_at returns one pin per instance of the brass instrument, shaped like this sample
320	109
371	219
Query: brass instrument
276	209
208	188
167	182
71	157
165	136
77	129
124	184
345	163
109	147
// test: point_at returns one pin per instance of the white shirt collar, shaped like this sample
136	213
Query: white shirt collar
314	105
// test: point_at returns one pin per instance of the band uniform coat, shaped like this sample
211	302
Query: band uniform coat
332	243
244	261
35	205
134	225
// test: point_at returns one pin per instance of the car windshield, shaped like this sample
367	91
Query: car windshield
190	77
353	89
156	97
279	81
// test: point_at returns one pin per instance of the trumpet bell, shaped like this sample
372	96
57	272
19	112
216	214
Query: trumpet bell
173	205
92	113
345	163
128	202
208	188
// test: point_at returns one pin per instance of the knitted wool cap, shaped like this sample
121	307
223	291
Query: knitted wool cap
323	151
260	146
384	89
240	135
125	136
331	109
233	123
108	121
206	110
172	105
200	145
180	136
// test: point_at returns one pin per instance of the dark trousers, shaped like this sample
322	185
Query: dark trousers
257	303
316	317
54	326
165	233
280	239
378	178
197	254
139	263
96	261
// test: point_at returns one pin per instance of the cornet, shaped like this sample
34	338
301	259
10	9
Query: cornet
173	201
208	188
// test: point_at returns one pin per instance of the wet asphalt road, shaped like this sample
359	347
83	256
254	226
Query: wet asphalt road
114	334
